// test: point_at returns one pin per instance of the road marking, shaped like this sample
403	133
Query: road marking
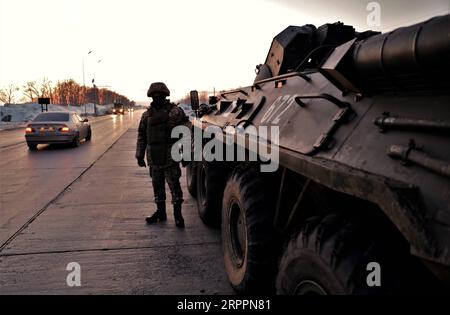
11	145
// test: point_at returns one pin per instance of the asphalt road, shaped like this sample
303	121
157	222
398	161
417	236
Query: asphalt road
87	205
15	136
30	180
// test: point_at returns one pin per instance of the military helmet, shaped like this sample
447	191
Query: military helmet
158	87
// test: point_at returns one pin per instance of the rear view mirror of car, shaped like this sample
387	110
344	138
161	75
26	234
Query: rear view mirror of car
195	103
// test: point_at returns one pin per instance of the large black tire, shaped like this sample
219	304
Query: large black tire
89	135
330	255
211	178
191	178
248	237
32	146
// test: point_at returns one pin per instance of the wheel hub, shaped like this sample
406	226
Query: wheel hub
309	287
238	234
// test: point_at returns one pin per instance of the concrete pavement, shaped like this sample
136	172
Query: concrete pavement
98	222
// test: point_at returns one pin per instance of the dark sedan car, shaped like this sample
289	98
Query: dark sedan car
56	127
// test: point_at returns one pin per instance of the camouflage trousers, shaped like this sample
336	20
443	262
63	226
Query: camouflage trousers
170	173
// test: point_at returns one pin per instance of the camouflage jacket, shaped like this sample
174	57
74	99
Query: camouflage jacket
176	117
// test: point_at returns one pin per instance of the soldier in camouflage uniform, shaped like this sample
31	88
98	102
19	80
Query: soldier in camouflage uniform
154	139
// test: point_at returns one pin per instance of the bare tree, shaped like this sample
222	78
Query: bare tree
202	95
31	90
70	92
7	95
46	88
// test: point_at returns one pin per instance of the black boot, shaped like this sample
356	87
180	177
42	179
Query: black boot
160	214
179	221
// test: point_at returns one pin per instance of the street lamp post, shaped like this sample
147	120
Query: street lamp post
95	92
84	86
95	97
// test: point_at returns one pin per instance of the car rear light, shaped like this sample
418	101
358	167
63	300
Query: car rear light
64	129
29	130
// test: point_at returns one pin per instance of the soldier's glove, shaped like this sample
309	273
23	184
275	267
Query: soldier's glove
141	163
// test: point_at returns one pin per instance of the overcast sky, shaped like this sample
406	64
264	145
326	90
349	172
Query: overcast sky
195	44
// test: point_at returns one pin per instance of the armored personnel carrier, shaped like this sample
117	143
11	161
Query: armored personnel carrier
360	200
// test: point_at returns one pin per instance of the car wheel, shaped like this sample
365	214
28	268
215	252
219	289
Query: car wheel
89	135
76	141
32	146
